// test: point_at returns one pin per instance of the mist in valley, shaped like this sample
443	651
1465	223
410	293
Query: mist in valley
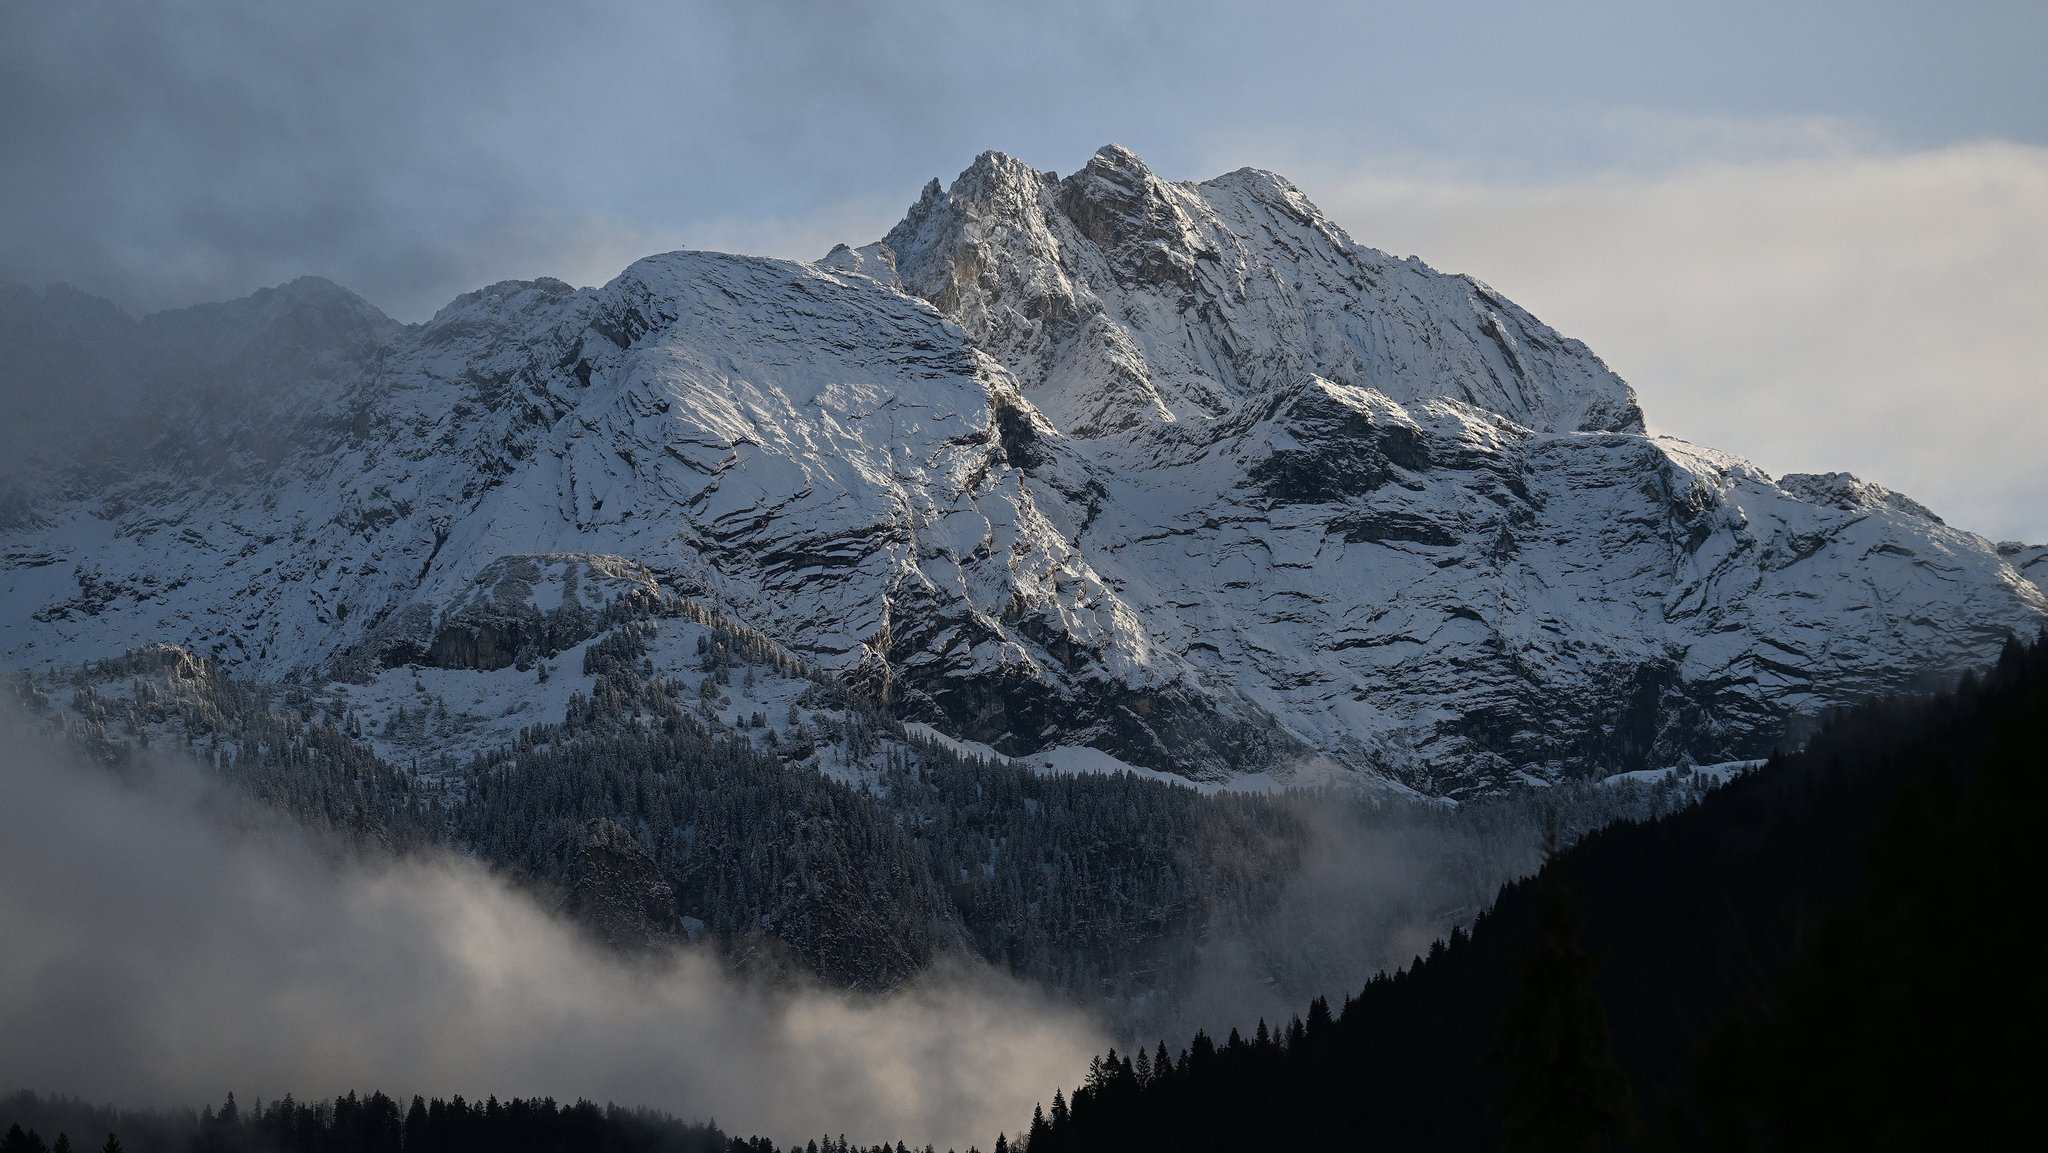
165	942
170	937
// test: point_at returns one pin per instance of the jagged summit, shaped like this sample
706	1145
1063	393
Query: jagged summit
1122	300
1174	471
543	287
1851	493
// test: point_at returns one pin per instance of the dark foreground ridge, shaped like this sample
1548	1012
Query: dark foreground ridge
1842	951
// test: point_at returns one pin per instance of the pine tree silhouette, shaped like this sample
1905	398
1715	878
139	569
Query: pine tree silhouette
1565	1092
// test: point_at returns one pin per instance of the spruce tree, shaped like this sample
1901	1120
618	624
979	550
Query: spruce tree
1036	1138
1565	1093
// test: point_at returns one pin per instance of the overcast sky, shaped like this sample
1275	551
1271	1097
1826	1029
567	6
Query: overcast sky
1815	234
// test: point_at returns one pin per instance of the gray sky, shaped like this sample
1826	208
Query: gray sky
1815	234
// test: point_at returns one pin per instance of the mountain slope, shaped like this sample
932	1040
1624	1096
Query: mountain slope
1174	471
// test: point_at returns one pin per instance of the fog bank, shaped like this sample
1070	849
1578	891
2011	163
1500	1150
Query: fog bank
151	955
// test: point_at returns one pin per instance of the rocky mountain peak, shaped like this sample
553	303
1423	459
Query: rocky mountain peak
1115	178
876	260
1280	195
196	389
310	320
1141	223
1851	493
1124	302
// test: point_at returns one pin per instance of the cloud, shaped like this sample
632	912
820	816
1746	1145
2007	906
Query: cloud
1876	312
147	955
164	154
1375	886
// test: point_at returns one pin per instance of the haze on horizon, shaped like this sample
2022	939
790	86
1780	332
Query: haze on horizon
1816	237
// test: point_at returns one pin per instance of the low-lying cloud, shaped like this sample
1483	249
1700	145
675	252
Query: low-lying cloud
148	955
1374	888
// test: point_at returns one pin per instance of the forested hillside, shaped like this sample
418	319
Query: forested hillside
703	785
1841	951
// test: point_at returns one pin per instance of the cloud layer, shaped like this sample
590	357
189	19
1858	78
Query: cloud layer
147	955
165	154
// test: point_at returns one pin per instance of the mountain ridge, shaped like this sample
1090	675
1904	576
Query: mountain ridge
1172	470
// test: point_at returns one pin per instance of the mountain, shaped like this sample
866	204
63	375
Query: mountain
90	390
1176	473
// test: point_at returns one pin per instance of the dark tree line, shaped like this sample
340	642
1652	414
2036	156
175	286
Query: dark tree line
1843	951
366	1124
379	1124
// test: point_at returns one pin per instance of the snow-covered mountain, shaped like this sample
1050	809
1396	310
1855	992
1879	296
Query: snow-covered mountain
1175	471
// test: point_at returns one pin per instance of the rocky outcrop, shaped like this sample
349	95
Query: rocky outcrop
1121	300
517	610
2029	560
617	891
1841	490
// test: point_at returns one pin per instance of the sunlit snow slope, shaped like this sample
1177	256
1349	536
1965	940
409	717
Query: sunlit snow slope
1175	471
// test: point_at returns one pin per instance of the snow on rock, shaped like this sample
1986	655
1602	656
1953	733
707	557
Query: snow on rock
1121	300
2030	560
1173	473
1712	776
1851	494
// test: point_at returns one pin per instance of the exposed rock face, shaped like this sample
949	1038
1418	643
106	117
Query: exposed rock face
1173	470
517	610
1842	491
2030	560
1120	300
618	891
